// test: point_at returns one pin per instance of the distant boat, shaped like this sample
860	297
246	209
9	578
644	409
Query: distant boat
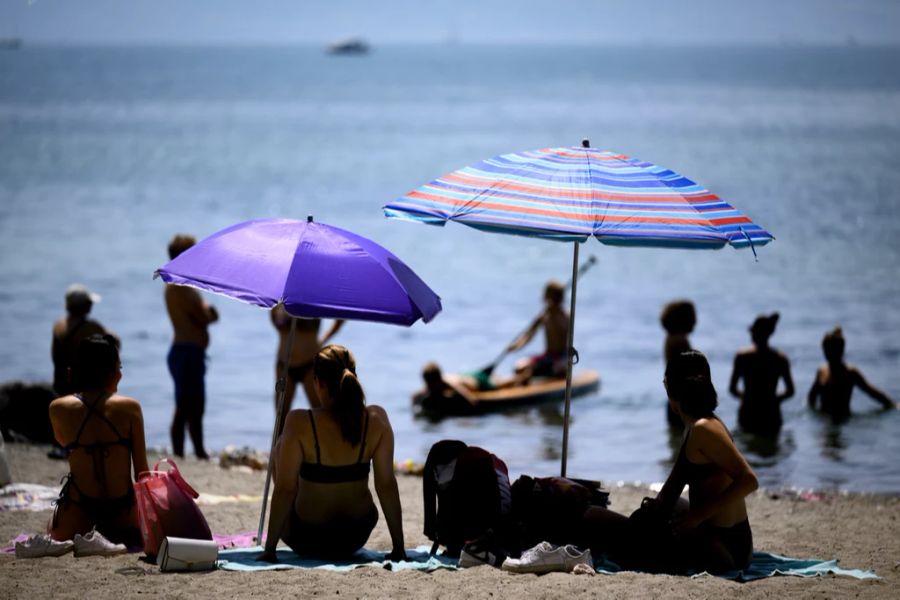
349	46
10	43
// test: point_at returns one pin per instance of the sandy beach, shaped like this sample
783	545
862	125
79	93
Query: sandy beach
862	531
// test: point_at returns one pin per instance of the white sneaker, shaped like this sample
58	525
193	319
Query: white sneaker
94	544
42	545
546	558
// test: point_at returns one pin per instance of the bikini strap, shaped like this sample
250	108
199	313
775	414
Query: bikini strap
312	422
92	410
362	446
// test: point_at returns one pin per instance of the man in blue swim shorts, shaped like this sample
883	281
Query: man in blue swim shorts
190	317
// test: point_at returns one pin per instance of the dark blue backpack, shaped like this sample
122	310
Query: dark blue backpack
466	493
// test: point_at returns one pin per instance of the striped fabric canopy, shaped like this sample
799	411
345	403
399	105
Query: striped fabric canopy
570	194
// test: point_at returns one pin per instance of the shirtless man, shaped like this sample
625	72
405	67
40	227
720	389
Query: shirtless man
69	331
554	320
303	353
835	381
761	367
190	317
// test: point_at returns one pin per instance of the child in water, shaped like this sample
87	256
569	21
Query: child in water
678	318
835	381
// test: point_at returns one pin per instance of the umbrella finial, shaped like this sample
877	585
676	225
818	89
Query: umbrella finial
309	219
585	143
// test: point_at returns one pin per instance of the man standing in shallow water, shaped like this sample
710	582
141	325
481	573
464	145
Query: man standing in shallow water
190	317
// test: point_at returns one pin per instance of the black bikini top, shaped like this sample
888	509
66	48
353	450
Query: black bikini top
318	473
91	448
694	472
98	451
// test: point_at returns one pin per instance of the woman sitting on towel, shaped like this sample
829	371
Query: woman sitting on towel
102	434
711	532
321	505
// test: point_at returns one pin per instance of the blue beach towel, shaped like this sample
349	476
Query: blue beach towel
765	564
243	559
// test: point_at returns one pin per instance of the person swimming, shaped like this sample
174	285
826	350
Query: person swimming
321	504
833	385
761	367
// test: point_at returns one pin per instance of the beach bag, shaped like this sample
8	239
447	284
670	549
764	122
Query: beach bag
551	509
650	545
183	554
466	493
166	508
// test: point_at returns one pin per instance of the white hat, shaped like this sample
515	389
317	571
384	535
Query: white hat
79	294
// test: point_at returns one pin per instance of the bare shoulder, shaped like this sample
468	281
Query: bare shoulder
378	415
707	429
126	403
63	403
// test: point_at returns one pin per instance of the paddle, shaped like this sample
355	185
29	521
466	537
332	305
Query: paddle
493	365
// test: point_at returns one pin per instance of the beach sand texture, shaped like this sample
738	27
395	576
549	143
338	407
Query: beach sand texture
863	531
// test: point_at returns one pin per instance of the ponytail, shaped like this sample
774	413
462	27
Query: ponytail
336	368
689	382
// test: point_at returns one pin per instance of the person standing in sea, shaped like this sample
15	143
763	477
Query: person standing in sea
678	318
833	386
191	317
305	347
760	368
68	332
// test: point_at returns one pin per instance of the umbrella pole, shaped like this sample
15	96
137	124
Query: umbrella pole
570	351
280	386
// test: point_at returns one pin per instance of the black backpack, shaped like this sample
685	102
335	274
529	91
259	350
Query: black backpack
466	494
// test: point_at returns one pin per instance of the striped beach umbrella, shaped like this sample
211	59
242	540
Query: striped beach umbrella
571	194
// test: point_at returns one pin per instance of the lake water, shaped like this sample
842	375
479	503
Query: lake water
105	153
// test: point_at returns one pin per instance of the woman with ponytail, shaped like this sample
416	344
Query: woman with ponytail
321	504
710	530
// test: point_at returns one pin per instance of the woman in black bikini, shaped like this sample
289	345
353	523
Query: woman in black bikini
710	532
321	505
102	434
303	353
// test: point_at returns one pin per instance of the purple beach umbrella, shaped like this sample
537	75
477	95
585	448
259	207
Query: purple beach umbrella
314	270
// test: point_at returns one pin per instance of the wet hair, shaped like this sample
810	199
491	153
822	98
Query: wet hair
335	368
688	381
180	243
554	291
833	345
764	326
96	360
678	316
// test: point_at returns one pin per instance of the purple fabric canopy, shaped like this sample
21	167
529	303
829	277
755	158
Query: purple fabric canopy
316	270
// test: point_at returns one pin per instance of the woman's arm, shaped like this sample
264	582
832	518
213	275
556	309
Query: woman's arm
138	443
671	490
814	391
386	485
736	373
714	443
288	457
335	327
788	379
871	390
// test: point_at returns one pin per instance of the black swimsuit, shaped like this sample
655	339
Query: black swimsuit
319	473
103	512
344	535
736	539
